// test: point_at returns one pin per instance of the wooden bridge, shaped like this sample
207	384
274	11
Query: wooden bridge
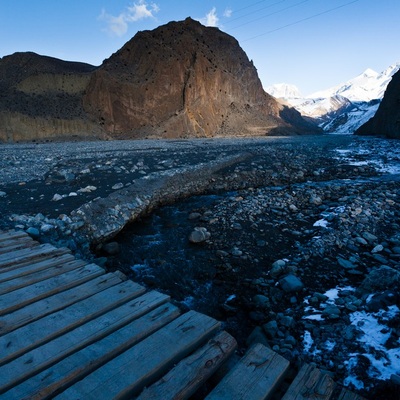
70	330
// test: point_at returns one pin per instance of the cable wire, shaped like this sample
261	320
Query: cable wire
252	12
268	15
301	20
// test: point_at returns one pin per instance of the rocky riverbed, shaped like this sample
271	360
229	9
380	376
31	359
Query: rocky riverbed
294	242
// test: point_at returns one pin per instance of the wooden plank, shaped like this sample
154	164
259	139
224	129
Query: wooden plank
41	357
58	301
20	236
255	376
310	383
13	272
48	256
7	235
73	368
21	297
130	372
16	244
30	336
20	257
27	280
25	252
184	379
347	395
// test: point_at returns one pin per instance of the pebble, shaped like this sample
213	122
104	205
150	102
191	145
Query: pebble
291	283
117	186
199	235
345	263
369	237
57	197
377	249
33	232
278	268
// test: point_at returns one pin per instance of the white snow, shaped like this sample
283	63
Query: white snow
322	223
329	345
284	91
315	317
307	341
367	86
351	379
384	362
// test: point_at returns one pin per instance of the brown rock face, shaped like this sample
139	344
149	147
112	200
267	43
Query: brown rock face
179	80
183	79
41	98
387	119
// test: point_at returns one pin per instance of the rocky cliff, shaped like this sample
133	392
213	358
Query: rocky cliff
41	98
387	119
180	80
184	79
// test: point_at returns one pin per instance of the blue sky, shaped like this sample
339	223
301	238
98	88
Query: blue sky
313	44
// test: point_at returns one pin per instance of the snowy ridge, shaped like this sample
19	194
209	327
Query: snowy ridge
367	86
344	107
284	91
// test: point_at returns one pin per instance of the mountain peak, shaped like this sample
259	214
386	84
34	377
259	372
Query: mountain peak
391	70
369	73
284	91
184	78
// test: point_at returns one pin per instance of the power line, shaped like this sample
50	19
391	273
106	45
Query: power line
252	12
301	20
268	15
249	6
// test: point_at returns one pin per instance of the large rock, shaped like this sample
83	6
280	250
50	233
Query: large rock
184	79
380	279
387	119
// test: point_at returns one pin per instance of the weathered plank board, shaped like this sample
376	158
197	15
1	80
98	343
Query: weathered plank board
184	379
7	274
28	256
130	372
41	357
12	235
58	301
27	252
71	369
255	376
310	383
27	280
28	337
19	298
347	395
16	244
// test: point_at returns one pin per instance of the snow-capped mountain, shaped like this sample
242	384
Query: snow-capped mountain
342	108
284	91
367	86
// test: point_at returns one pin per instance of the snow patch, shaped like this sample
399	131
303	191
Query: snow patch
375	334
323	223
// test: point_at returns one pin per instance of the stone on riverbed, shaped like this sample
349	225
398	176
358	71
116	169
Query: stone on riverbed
111	248
291	283
199	235
278	268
